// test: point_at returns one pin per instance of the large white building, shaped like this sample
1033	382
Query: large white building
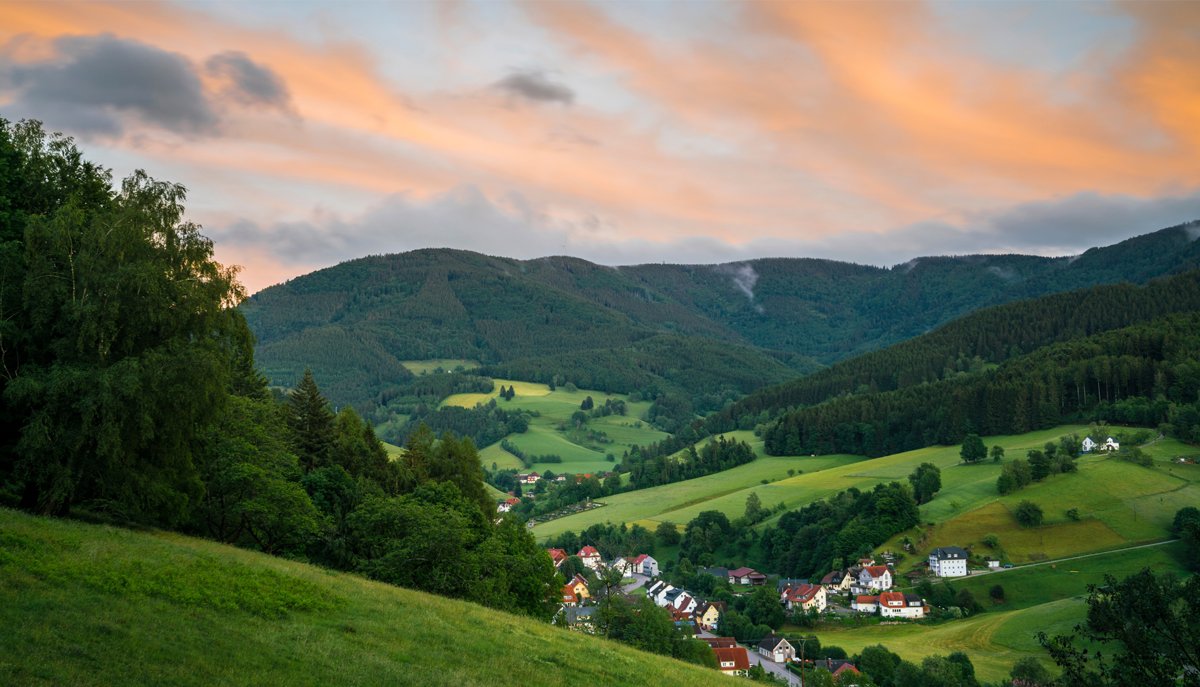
898	605
948	561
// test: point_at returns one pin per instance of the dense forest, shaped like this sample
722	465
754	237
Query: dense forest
1145	374
129	393
647	328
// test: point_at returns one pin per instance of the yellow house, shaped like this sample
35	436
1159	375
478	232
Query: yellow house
579	586
708	615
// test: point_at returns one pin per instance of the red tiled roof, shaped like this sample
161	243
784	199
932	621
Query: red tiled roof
845	668
579	579
557	555
876	570
891	599
568	594
741	572
588	551
735	655
866	599
802	593
719	642
640	558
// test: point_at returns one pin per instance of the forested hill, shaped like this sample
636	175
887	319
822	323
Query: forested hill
746	324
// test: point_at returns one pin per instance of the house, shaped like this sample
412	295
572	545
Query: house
1088	445
580	618
808	597
622	565
746	576
528	478
579	586
685	603
843	675
837	582
558	556
719	642
569	597
708	615
670	596
865	604
776	649
660	595
507	505
899	605
993	564
948	561
590	557
732	660
1111	445
560	478
722	573
646	565
875	578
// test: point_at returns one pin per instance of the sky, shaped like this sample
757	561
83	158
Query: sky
310	133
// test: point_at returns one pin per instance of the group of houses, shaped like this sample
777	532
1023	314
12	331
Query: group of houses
1110	444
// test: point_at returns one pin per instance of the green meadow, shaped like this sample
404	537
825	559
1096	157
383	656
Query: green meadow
425	367
97	605
553	409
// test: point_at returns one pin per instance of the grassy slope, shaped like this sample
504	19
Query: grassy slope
94	605
543	437
424	367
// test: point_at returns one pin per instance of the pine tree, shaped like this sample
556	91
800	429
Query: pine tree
311	422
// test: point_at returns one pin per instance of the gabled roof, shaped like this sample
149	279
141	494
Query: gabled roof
876	570
770	642
568	594
735	655
891	599
579	579
846	668
948	553
741	572
639	559
802	593
703	608
588	551
834	577
719	642
866	599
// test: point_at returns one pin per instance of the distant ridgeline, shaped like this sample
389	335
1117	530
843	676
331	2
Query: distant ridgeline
707	333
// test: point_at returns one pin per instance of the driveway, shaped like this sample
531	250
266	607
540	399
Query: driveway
639	581
776	669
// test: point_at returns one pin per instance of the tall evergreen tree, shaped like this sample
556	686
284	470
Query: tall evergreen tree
311	422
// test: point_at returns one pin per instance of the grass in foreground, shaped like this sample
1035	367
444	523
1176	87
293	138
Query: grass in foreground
95	605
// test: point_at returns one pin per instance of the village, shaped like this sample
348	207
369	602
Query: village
864	590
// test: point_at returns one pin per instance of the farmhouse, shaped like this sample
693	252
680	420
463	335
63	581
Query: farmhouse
776	649
746	576
1088	445
898	605
590	557
528	478
948	561
507	505
1111	445
808	597
732	660
875	578
646	565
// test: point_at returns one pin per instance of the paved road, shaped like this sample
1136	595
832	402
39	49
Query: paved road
771	667
639	581
1071	558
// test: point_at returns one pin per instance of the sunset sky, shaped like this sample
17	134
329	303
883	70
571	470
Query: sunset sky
309	133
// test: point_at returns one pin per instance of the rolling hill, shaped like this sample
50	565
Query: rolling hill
649	327
95	605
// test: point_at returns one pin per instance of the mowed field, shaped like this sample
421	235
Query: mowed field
553	409
425	367
964	487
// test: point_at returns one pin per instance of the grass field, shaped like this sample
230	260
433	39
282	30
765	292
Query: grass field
95	605
426	367
993	640
554	408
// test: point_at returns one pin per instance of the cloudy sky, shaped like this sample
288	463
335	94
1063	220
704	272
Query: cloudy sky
683	131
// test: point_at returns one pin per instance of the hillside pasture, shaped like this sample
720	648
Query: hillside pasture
96	605
428	367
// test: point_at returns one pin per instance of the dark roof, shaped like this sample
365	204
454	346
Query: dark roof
719	642
789	582
770	642
576	614
717	572
946	553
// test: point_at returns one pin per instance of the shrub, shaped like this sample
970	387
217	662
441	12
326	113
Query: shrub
1028	514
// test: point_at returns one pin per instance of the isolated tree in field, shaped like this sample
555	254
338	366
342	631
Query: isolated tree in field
311	422
1028	514
996	593
997	453
926	480
587	404
973	449
754	509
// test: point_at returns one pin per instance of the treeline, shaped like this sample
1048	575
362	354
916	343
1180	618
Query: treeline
963	347
1061	382
832	532
485	424
129	392
717	455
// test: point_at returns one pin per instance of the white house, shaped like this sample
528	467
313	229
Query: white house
530	478
948	561
993	564
776	649
746	576
685	603
558	556
875	578
865	604
660	592
1111	445
507	505
1088	445
808	597
732	660
645	565
590	557
898	605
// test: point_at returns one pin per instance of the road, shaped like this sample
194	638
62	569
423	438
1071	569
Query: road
639	581
771	667
1072	558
